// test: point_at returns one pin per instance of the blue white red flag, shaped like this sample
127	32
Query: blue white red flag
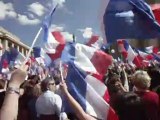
129	19
84	89
87	58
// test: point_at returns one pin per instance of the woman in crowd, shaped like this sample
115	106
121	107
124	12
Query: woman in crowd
150	99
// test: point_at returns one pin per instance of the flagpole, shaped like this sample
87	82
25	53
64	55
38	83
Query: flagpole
60	66
34	41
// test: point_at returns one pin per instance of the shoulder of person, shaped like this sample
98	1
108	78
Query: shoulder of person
57	96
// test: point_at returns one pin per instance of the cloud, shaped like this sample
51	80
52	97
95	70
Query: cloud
7	10
56	28
11	14
52	3
68	37
60	2
36	8
87	32
24	20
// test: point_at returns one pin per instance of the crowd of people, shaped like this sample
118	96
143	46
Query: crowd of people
134	94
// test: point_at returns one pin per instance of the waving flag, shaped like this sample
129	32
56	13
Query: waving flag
95	41
13	54
143	55
132	56
54	41
125	19
156	57
5	61
40	56
54	45
84	90
156	11
151	49
87	58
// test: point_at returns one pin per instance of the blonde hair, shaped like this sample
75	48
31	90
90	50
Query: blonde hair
141	79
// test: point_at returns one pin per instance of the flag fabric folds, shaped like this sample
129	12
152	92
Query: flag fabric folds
47	22
4	63
156	11
87	58
40	56
95	41
54	45
126	19
151	49
54	41
130	55
84	90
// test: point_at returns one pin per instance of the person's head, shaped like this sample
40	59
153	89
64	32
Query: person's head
141	80
37	90
48	84
113	84
130	107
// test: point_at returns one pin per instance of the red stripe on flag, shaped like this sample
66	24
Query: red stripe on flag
58	52
59	37
112	115
156	11
106	96
92	40
101	61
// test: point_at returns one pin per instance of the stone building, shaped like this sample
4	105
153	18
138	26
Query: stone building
8	40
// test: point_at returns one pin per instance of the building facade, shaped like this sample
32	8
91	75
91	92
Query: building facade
8	40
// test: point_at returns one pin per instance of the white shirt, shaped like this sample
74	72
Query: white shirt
49	103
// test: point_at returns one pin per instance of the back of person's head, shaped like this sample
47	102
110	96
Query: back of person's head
154	73
47	84
36	90
130	107
141	79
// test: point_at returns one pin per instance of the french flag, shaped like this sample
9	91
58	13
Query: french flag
121	48
132	56
95	41
40	56
152	49
143	55
55	44
54	41
87	58
156	57
129	19
4	63
84	89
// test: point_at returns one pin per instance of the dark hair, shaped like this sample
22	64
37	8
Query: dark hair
130	107
111	84
45	82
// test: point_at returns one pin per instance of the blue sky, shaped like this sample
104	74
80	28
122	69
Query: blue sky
23	18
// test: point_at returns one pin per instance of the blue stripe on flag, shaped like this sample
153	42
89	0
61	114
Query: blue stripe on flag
77	85
125	19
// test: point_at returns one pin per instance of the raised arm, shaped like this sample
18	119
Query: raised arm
80	113
9	108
